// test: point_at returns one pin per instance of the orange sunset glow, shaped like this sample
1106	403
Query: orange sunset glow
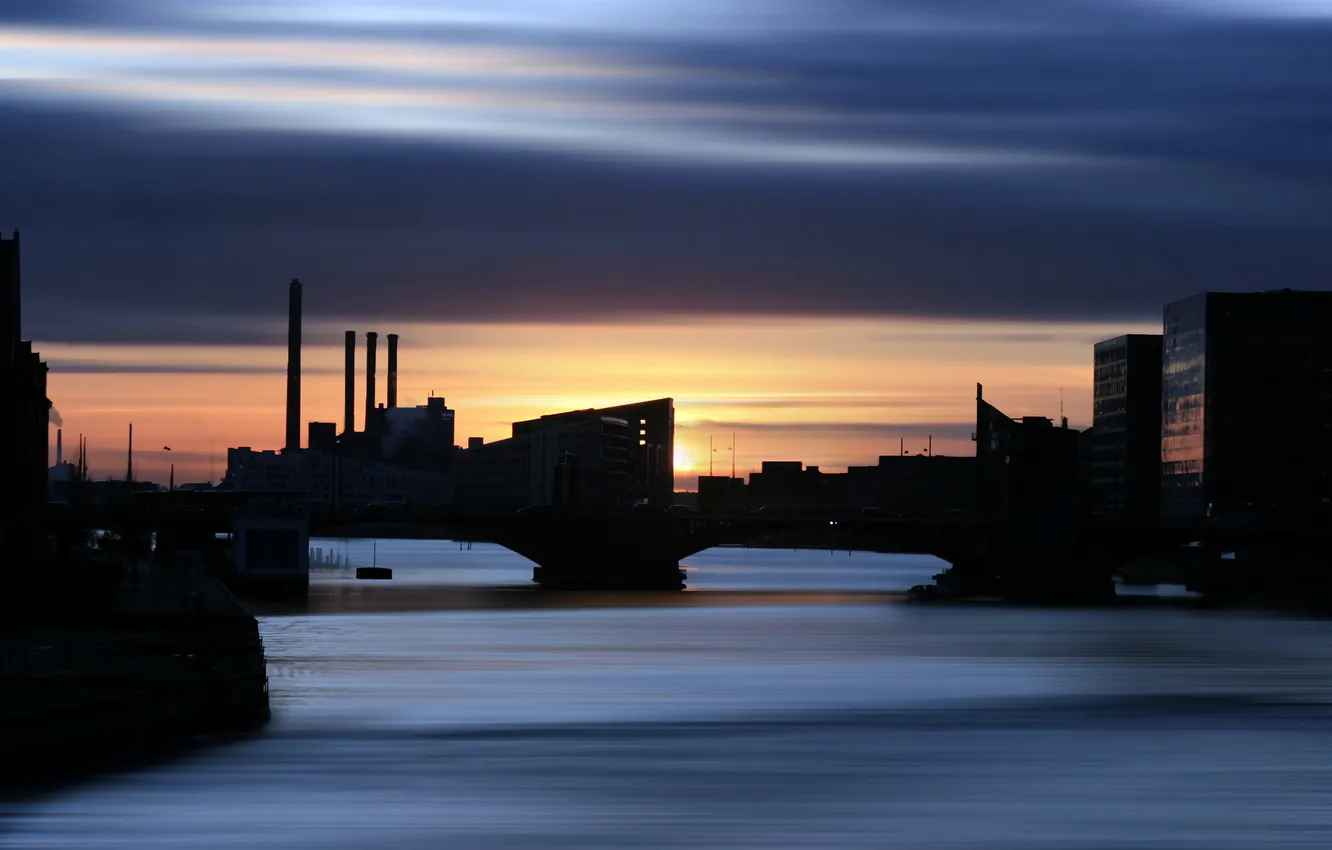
832	392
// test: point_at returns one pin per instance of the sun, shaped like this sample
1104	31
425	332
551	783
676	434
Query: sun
682	461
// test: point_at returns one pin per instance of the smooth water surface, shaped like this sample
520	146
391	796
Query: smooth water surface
789	725
443	563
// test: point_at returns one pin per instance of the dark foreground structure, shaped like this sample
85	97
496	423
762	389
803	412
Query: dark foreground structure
126	674
24	413
104	652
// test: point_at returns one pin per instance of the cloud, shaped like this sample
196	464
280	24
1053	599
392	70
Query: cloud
67	12
98	367
1040	160
819	402
841	430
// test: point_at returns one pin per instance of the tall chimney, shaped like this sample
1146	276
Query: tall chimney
60	446
129	462
371	339
393	370
294	365
349	399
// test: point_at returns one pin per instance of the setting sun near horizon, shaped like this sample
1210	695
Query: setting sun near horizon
824	391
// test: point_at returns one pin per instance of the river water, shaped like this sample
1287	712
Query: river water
803	719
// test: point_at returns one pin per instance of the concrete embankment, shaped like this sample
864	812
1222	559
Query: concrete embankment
161	659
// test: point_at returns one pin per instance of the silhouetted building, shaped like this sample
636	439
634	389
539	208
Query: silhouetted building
925	484
61	480
899	484
497	475
686	499
787	486
24	415
420	437
581	461
1247	388
322	436
1125	446
1027	469
327	480
722	494
475	442
651	461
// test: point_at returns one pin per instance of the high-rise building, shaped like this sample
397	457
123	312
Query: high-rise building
1125	462
24	415
1247	391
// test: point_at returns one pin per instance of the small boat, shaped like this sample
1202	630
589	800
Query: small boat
374	572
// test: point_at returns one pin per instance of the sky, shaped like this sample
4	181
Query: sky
816	224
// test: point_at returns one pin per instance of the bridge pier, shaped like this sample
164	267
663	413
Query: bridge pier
1033	573
1068	574
598	553
1284	573
608	573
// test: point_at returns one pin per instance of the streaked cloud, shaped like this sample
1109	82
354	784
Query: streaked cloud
813	431
1035	160
806	215
511	95
846	392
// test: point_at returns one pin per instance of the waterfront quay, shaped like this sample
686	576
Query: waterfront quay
92	681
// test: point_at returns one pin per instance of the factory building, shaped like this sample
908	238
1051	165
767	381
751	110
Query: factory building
402	455
590	459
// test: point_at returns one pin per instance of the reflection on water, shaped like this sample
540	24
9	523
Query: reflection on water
773	725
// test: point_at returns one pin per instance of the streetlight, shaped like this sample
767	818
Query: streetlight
171	488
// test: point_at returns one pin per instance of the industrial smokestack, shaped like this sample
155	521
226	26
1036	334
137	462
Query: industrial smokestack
349	399
294	365
393	370
129	463
371	339
60	446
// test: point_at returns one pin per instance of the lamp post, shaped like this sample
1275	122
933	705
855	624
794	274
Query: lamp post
171	487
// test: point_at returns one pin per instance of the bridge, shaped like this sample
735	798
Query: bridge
1018	557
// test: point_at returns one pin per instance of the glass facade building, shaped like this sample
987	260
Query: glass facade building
1247	402
1183	372
1126	426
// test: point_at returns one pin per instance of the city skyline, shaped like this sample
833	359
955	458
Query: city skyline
875	383
758	194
